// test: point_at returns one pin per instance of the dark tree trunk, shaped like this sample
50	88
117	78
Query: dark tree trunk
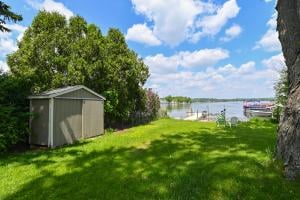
288	142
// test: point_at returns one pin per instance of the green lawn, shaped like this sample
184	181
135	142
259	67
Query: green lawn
167	159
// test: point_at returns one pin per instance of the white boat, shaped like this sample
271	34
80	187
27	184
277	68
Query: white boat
261	113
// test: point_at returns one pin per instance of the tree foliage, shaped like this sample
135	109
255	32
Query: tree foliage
281	89
14	112
13	106
7	15
178	99
55	53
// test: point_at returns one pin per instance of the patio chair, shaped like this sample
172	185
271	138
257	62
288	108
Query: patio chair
221	120
233	122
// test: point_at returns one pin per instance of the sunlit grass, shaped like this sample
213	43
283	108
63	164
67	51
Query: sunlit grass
167	159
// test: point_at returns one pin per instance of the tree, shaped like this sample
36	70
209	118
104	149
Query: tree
43	55
55	53
178	99
14	113
281	89
7	15
169	98
13	106
288	141
127	73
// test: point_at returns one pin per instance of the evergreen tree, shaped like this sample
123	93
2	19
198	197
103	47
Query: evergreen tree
7	15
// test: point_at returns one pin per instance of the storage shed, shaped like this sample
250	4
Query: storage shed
64	115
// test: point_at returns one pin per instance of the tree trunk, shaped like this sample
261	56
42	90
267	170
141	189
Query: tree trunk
288	141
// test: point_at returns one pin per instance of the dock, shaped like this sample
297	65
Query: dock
200	116
193	117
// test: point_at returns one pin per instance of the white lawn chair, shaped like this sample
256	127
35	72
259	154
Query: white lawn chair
233	121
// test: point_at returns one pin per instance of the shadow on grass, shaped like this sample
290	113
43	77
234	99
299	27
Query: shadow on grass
41	156
203	164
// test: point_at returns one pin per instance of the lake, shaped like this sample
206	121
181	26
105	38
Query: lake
179	111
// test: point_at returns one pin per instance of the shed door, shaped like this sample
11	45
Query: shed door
40	121
92	118
67	123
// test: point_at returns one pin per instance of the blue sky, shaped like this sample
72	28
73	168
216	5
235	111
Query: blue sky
197	48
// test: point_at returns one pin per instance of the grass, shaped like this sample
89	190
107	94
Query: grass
167	159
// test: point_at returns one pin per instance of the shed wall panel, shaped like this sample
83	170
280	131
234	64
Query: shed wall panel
102	117
67	121
82	93
92	118
40	121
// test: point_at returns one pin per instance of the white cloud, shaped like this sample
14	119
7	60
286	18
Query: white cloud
227	81
141	33
269	41
8	42
7	45
272	23
227	69
51	6
247	68
3	66
186	59
196	18
211	25
231	71
162	64
5	34
275	63
17	28
202	58
231	33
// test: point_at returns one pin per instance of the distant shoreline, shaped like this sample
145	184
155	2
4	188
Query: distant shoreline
231	100
213	100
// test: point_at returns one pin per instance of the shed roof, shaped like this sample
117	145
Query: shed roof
60	91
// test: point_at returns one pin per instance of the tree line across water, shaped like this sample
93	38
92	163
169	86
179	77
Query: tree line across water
177	99
55	52
182	99
232	99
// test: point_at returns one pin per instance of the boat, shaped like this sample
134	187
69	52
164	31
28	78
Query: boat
257	105
258	109
261	113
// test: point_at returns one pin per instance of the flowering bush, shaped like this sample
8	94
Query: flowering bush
152	104
281	88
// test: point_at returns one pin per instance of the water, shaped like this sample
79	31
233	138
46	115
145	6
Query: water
179	111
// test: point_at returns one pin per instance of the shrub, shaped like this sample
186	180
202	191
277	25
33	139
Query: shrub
14	111
152	104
